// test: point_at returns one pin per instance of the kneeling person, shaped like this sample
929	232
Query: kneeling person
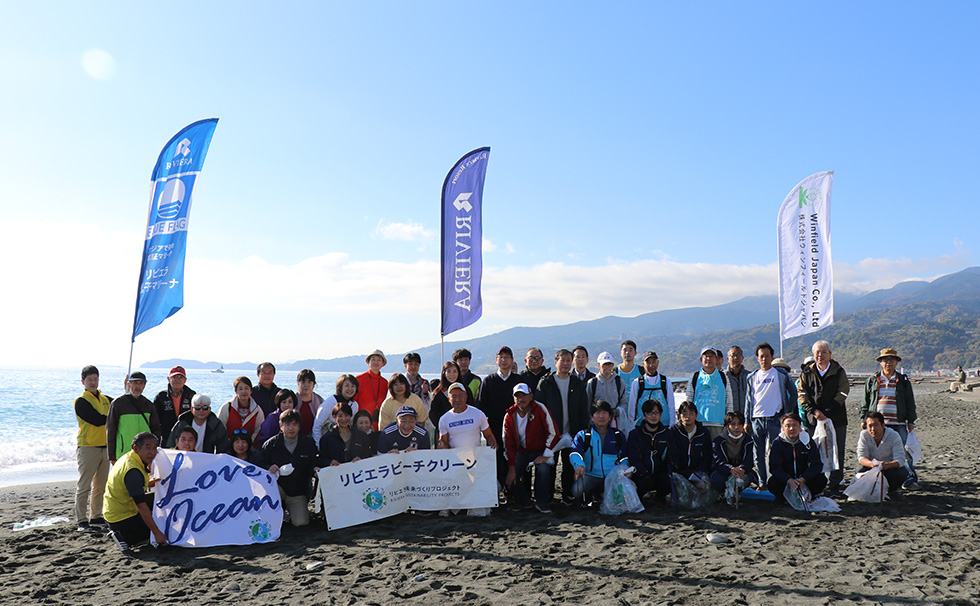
126	505
404	434
292	456
647	446
733	454
530	434
881	445
595	452
793	462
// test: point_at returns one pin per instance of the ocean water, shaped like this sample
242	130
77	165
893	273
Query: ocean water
38	428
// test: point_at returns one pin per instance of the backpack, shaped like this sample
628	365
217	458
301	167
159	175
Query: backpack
616	434
594	380
694	381
642	385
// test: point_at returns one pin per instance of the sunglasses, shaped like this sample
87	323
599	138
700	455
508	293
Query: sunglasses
240	432
202	408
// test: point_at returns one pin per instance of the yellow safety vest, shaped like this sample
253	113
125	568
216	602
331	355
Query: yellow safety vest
118	505
88	434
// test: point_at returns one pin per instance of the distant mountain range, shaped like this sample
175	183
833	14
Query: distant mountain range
932	324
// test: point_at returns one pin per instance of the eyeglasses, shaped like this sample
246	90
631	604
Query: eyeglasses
240	432
202	408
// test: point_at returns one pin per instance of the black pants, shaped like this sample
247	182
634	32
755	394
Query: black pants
567	473
133	530
896	477
659	482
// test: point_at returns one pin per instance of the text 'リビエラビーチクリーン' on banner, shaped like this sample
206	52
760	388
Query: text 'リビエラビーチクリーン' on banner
423	480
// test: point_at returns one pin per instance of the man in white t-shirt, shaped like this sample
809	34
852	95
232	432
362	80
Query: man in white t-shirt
462	427
768	398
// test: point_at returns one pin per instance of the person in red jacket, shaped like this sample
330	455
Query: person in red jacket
530	434
372	388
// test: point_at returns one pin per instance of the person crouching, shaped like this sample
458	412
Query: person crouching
595	452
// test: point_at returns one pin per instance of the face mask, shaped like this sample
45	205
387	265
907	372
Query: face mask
732	436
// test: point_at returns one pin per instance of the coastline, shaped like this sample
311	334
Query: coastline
920	548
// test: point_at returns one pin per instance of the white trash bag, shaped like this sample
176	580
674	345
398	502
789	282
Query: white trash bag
826	439
619	493
802	500
914	447
868	487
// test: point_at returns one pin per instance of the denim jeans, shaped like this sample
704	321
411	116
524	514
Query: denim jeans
543	482
903	432
764	431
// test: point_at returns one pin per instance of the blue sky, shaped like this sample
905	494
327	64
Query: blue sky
640	152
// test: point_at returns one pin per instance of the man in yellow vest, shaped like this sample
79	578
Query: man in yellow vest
126	505
93	463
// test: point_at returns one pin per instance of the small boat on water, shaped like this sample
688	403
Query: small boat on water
219	369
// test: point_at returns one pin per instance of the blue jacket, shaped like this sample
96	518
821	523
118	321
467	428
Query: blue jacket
721	461
688	455
648	449
598	456
788	461
787	389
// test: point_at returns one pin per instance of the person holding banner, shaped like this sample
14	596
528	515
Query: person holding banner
530	435
242	412
462	427
126	502
404	434
822	394
292	456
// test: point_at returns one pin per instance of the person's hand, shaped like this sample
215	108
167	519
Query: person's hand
818	415
910	426
355	459
112	461
797	483
334	463
274	469
579	472
492	443
747	428
160	537
540	460
738	472
511	477
411	448
393	451
153	482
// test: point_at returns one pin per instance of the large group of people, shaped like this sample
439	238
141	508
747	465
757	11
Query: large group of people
561	431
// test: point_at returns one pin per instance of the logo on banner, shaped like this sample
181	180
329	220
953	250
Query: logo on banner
374	499
462	202
260	531
171	198
813	197
183	148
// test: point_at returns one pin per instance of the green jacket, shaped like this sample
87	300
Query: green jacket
127	417
904	398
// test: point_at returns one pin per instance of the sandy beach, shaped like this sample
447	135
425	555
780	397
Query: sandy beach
923	548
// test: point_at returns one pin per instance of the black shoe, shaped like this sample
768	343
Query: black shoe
98	522
122	545
85	527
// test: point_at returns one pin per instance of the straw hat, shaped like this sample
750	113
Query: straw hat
376	352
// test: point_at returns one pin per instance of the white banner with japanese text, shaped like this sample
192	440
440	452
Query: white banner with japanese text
205	500
806	272
389	484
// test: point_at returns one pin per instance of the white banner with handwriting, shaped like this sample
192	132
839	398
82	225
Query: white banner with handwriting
389	484
205	500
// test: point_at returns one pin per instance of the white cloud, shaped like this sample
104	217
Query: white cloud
488	246
99	64
509	249
72	290
405	232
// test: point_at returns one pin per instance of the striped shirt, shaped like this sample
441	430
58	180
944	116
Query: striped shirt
886	398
